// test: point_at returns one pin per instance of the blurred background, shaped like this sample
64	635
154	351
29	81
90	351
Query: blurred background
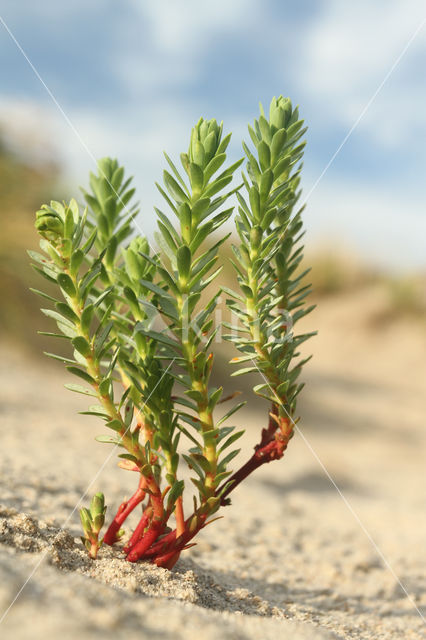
86	80
82	80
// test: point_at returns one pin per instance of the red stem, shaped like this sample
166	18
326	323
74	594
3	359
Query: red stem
158	522
148	539
168	560
161	545
123	511
138	532
166	551
273	443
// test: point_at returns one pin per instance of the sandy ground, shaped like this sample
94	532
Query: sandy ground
292	557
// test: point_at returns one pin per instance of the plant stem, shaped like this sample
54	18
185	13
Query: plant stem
180	519
123	511
272	445
139	530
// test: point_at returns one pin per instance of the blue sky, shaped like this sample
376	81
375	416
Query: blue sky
133	76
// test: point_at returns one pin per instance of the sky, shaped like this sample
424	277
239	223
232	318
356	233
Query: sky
129	79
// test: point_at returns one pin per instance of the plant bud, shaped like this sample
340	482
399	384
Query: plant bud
135	263
49	224
97	506
205	139
280	112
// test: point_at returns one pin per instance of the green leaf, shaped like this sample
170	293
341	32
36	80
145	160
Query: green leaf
81	374
266	182
44	295
60	358
76	261
128	414
128	456
214	165
227	459
231	440
81	345
154	288
117	178
265	129
187	434
197	177
173	188
217	186
56	316
98	301
192	464
47	273
86	520
227	415
241	372
199	154
86	318
160	337
255	202
174	493
200	209
38	257
66	311
167	236
98	410
79	389
264	155
184	262
108	439
214	397
175	171
102	336
277	144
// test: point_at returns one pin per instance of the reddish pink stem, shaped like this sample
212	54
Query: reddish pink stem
138	532
272	445
168	560
148	539
123	511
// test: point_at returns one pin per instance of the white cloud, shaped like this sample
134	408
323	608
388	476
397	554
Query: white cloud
346	53
387	228
41	131
177	34
185	26
343	53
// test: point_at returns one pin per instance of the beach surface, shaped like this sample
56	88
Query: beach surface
326	543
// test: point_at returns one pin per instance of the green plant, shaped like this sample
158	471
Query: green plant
113	295
92	521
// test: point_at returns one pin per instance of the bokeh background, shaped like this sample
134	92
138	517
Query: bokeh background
84	80
80	80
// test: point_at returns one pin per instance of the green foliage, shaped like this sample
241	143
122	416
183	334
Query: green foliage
92	521
145	321
273	292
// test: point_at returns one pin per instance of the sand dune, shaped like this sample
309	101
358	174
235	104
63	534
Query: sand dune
292	558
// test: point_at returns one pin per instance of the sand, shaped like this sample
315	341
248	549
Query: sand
291	558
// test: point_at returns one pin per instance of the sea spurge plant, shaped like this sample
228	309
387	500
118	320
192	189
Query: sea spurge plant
141	324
